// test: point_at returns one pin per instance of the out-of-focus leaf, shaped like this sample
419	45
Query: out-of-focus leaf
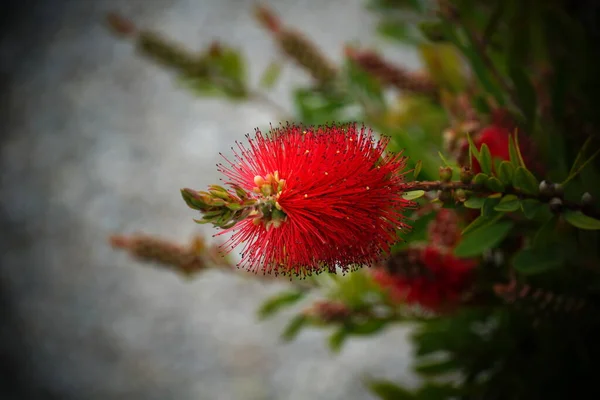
444	64
277	302
512	151
581	161
433	31
482	221
364	87
485	159
386	390
505	172
398	31
294	327
337	339
271	75
531	208
474	202
494	184
476	242
581	221
508	203
413	195
417	170
527	97
535	261
524	181
437	367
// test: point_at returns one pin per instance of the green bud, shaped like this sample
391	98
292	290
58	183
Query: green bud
460	195
234	206
241	193
445	174
195	199
466	176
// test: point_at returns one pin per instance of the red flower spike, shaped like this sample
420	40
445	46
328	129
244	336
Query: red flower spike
331	198
440	285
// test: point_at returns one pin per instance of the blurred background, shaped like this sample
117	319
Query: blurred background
96	141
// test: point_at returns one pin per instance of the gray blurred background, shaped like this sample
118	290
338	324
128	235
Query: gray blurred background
97	141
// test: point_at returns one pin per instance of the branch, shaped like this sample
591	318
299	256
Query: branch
478	188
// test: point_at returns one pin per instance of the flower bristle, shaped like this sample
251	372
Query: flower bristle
342	198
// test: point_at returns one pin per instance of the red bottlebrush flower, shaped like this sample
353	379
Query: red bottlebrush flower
328	197
496	138
431	277
443	230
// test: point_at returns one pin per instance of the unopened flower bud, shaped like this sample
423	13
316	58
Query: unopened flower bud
460	195
587	199
555	205
558	190
466	176
545	188
445	174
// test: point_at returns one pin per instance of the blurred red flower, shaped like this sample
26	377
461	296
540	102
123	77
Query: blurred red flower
330	197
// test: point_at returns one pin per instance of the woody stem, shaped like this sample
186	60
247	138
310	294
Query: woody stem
483	190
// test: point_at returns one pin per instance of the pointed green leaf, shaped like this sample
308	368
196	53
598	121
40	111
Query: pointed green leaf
473	152
294	327
474	202
505	172
480	179
413	195
446	163
271	75
512	151
518	147
434	368
525	182
337	339
536	261
386	390
418	167
530	207
488	206
482	221
581	162
508	203
581	221
479	240
494	184
277	302
485	159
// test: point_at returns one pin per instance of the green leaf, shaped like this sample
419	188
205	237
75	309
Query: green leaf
433	31
480	179
413	195
546	232
479	240
386	390
581	221
474	202
337	339
527	97
294	327
530	207
494	184
508	203
505	172
485	159
488	206
271	75
535	261
437	367
444	160
445	65
518	147
580	161
277	302
417	170
512	151
368	327
474	153
481	221
398	31
525	182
